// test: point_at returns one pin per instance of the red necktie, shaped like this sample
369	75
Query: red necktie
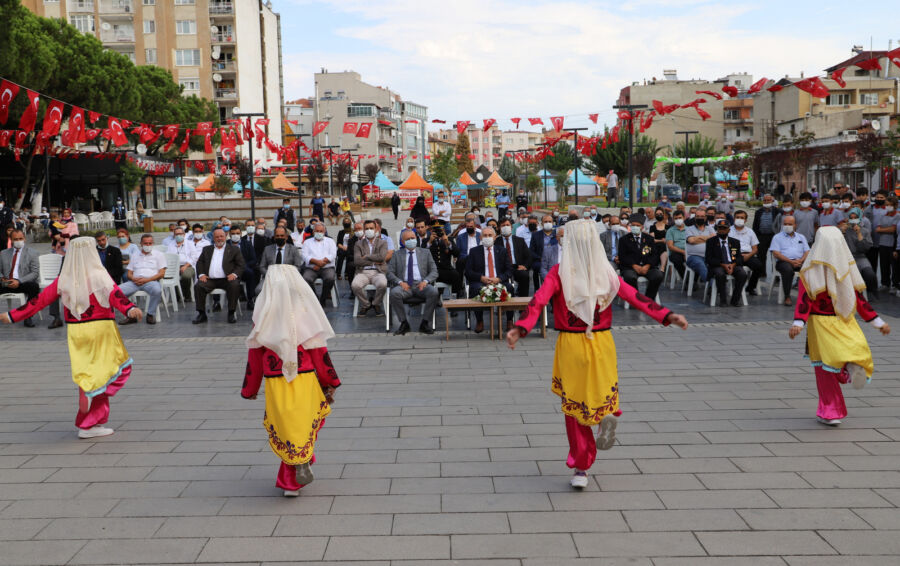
508	251
13	268
490	262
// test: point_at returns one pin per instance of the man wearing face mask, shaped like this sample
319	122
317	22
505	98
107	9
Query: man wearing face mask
487	265
256	237
612	238
830	215
120	214
695	245
726	206
342	240
502	205
186	260
859	241
518	256
144	274
884	236
411	275
540	241
675	242
749	249
527	229
612	189
789	249
317	207
284	213
171	237
319	255
281	250
639	257
19	270
250	275
442	210
196	242
764	226
110	256
522	200
807	217
220	266
552	254
724	258
466	240
370	260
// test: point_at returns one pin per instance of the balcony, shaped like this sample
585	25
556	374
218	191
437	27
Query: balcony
226	94
221	9
116	7
81	6
223	67
117	36
383	140
222	37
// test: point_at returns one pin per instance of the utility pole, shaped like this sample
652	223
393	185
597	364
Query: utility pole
575	147
238	114
630	108
330	163
686	150
300	176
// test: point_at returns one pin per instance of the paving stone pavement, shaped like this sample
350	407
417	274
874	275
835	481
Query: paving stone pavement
454	453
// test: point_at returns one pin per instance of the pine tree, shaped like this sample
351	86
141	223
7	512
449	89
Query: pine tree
463	149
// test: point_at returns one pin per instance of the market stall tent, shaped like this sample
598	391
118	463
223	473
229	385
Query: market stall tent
466	179
495	181
282	183
207	184
415	181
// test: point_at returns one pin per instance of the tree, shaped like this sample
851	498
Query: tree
371	171
507	170
697	146
131	175
443	167
224	185
533	186
315	172
801	155
463	150
563	158
871	150
562	187
342	171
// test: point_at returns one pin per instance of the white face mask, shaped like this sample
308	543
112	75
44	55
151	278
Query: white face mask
260	232
739	222
147	249
787	229
768	204
236	238
506	230
587	214
487	241
548	226
826	205
198	235
635	230
370	233
318	236
679	222
410	224
889	208
845	205
805	203
19	244
787	208
854	221
358	233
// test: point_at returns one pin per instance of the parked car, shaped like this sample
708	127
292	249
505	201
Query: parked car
673	192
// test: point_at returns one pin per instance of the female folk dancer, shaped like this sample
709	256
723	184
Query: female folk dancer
287	347
100	363
582	288
830	292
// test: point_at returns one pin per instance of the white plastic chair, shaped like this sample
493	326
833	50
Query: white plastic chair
729	284
171	282
20	298
387	305
773	275
94	220
48	269
673	273
107	219
223	296
160	248
645	281
688	280
145	295
334	294
81	219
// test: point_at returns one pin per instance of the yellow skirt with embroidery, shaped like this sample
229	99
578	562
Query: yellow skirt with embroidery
585	376
833	342
295	412
97	354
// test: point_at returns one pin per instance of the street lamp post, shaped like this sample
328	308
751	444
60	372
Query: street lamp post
238	114
575	147
330	164
630	108
686	151
300	176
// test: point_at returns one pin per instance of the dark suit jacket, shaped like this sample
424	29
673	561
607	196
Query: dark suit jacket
757	217
537	247
475	266
520	250
397	266
290	255
259	244
462	242
113	263
714	255
248	253
232	261
637	253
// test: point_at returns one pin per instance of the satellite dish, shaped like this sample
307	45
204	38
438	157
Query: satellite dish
105	26
216	53
217	77
213	29
876	125
891	99
142	149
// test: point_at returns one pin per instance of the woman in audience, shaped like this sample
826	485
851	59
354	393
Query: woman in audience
128	249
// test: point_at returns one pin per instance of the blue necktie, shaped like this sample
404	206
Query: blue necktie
409	268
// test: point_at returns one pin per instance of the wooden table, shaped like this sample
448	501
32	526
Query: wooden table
468	304
517	304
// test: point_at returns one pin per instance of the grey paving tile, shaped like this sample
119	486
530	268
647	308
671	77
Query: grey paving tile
276	549
353	504
165	507
567	522
716	499
100	528
21	529
118	551
441	485
803	519
864	543
450	523
513	546
334	525
216	527
826	498
637	544
388	547
765	543
753	480
675	520
23	553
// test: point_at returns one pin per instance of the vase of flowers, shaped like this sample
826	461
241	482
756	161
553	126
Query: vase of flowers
495	293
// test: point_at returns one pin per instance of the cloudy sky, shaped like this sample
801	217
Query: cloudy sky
475	59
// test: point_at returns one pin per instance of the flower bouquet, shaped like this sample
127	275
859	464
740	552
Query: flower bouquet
495	293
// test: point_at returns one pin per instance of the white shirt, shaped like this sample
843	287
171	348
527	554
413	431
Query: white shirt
16	260
746	236
442	210
147	265
297	238
196	246
215	264
184	252
319	249
390	242
524	233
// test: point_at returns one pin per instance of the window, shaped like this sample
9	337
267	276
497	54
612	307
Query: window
838	99
869	98
83	23
82	5
192	83
150	56
732	115
149	2
187	57
149	26
184	2
51	1
359	111
185	27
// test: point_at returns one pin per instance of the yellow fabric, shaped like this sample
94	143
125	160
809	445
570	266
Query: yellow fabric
96	353
295	412
585	376
836	342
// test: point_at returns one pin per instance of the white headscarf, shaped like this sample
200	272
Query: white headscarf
587	277
288	315
830	267
83	275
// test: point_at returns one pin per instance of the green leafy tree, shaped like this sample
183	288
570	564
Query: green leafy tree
131	175
562	188
563	158
801	155
224	185
443	167
464	149
697	146
507	170
533	187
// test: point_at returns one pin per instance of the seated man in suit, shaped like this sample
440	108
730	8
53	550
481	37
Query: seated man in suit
412	273
519	257
723	257
443	250
639	257
370	260
552	253
249	275
545	238
486	265
611	239
281	250
110	257
319	254
19	270
219	267
467	239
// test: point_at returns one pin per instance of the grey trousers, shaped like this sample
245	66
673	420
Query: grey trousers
398	296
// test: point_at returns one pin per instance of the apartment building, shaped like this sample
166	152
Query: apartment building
398	127
228	51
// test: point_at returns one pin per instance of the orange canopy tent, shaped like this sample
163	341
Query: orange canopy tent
415	181
282	183
465	179
207	185
495	180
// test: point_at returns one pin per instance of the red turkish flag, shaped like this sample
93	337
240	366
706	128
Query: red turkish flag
557	122
461	127
115	133
488	123
385	123
53	118
364	129
814	86
76	126
711	93
838	77
260	132
26	122
185	144
351	127
869	64
93	116
4	137
757	86
535	121
624	115
515	121
775	88
731	91
91	134
703	113
319	127
593	117
473	156
8	92
439	121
